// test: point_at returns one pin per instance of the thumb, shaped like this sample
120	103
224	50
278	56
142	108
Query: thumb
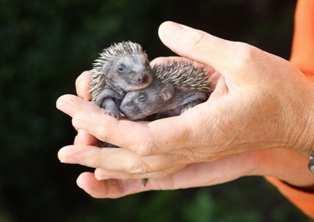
200	46
82	85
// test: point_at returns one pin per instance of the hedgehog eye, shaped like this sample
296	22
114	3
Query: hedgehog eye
141	98
121	68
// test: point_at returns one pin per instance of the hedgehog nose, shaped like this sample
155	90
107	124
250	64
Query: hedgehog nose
143	79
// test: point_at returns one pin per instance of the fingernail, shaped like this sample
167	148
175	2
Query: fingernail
59	103
79	182
63	155
75	123
63	100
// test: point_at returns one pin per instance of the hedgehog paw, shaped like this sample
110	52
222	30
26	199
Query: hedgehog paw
114	113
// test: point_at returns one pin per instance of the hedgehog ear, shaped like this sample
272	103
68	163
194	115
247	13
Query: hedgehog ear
167	92
105	68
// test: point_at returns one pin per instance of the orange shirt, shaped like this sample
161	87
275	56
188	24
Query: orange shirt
303	57
303	39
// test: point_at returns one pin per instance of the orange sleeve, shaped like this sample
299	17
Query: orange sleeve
303	39
301	199
303	57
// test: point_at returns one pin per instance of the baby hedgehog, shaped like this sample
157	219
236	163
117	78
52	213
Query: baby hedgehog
177	86
121	68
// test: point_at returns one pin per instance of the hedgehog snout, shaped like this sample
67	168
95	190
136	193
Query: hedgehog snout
143	79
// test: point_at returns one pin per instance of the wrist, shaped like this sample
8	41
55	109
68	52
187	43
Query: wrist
286	165
305	132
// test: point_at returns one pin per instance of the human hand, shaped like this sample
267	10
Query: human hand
254	83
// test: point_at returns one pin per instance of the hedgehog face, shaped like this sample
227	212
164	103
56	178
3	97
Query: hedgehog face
142	103
130	72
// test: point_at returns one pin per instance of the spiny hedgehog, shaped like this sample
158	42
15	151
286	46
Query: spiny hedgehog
177	86
120	68
183	75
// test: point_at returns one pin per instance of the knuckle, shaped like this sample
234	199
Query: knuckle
242	46
106	128
146	147
245	54
77	119
98	174
136	166
198	40
75	122
93	161
102	132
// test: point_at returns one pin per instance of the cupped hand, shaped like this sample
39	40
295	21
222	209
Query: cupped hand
260	101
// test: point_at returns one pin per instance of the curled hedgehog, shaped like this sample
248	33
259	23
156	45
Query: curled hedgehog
120	68
177	86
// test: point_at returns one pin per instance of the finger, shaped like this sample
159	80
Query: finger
116	159
108	188
102	174
87	182
84	138
94	121
82	85
195	44
82	90
143	138
195	175
72	105
114	188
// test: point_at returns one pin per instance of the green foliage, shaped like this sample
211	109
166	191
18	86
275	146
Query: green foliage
46	44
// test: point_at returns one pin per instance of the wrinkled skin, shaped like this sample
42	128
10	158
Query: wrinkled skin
258	121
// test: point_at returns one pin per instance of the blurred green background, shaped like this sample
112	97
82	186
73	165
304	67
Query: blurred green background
46	44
